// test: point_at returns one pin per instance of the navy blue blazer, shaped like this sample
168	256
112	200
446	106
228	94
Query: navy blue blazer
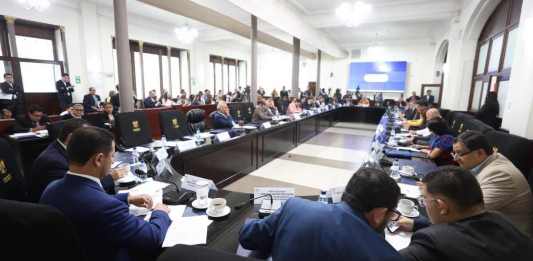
52	164
106	229
88	103
221	121
308	230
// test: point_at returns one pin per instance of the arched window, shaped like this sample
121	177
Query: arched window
494	57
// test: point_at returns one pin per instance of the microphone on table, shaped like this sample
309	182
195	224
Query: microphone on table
242	204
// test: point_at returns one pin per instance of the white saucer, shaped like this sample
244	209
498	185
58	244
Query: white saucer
196	205
406	174
224	213
414	213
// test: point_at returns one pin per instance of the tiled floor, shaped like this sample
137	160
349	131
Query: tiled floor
325	161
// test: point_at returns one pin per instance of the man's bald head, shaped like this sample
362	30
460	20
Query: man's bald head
432	113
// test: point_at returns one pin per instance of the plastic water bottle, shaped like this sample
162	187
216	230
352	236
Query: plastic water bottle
323	198
198	138
395	170
164	141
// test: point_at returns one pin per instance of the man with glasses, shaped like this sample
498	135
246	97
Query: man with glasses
462	229
504	187
75	112
350	230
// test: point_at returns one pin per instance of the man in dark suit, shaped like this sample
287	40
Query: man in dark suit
52	163
11	180
64	91
74	112
115	100
9	92
462	229
91	101
221	117
151	101
429	98
34	120
106	228
316	231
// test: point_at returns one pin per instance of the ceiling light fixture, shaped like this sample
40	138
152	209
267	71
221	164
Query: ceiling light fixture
353	14
37	5
186	34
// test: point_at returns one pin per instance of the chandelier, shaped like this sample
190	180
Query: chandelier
353	14
186	34
37	5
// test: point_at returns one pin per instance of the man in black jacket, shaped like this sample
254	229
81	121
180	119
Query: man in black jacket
64	91
462	229
91	101
9	92
34	120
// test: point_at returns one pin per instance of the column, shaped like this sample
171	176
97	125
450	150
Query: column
123	56
141	59
10	22
518	110
318	69
295	67
169	55
253	37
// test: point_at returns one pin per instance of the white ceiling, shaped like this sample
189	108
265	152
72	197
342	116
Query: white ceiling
390	21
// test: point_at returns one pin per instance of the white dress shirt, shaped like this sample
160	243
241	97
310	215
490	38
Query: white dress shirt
95	179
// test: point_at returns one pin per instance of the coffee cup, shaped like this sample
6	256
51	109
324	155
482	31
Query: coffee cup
217	205
408	170
406	206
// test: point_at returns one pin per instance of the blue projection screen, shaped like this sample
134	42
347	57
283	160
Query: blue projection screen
378	76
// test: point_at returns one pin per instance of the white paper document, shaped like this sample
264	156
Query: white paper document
398	240
149	188
139	149
176	212
410	191
187	231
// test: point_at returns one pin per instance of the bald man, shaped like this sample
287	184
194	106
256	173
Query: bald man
221	118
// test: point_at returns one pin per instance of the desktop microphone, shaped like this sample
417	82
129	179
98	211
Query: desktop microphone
242	204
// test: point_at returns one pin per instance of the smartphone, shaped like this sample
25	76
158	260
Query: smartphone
392	226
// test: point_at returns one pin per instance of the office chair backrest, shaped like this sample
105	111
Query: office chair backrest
517	149
173	124
133	129
96	119
476	125
54	129
247	110
33	229
235	111
195	120
11	179
458	121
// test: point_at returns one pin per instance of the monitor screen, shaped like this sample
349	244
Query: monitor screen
378	76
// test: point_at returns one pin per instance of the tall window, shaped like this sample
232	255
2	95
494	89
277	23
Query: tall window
227	74
494	56
159	74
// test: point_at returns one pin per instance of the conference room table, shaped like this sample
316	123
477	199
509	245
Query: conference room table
256	151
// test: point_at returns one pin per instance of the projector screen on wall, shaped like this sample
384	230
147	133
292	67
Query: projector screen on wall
378	76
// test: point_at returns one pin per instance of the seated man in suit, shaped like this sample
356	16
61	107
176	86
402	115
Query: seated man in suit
261	112
221	118
75	112
91	101
272	107
151	101
310	230
504	187
52	163
34	120
106	229
462	229
421	108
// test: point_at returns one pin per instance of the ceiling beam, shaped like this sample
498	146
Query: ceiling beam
211	17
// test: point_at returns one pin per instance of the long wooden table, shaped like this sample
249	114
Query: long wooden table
228	161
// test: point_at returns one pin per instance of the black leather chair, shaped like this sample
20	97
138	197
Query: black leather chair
235	111
32	231
247	110
195	120
12	183
457	121
54	129
173	124
517	149
476	125
198	253
133	129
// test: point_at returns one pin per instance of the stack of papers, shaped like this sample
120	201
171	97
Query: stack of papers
398	240
187	231
139	149
23	135
410	191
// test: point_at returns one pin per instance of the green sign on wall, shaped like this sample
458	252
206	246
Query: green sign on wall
78	79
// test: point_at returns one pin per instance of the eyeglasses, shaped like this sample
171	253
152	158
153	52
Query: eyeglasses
459	155
395	216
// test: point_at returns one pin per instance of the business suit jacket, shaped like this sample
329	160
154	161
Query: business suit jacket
6	88
89	103
222	121
488	237
309	230
115	100
430	99
505	189
30	229
23	123
52	164
149	103
261	113
106	229
64	93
